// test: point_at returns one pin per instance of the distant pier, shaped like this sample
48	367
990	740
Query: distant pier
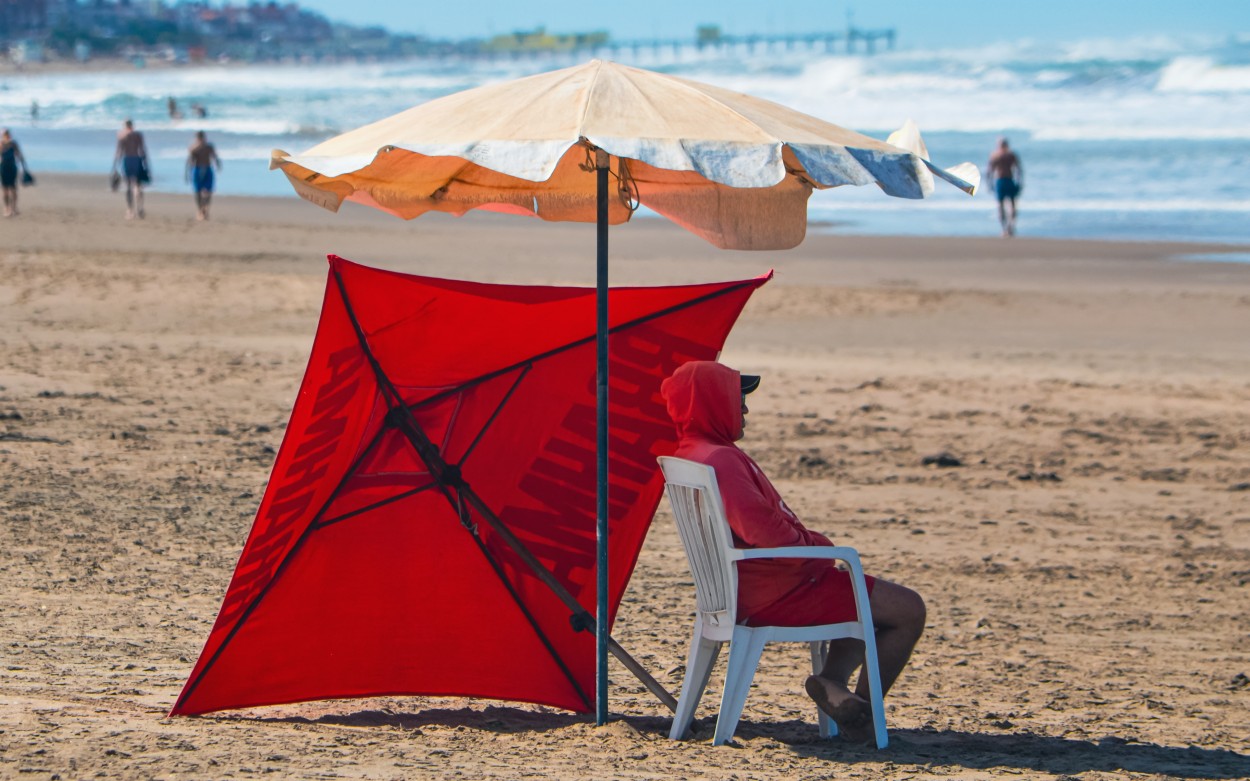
851	41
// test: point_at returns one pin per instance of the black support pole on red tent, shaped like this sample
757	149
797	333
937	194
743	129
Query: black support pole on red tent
602	161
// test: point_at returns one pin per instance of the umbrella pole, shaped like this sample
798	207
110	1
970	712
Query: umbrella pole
602	162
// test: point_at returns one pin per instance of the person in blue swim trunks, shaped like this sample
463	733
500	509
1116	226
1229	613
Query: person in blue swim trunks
1007	174
201	159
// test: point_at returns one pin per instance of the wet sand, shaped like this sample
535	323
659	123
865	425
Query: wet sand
1086	566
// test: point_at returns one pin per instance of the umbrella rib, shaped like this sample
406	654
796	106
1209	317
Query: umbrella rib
281	568
529	617
498	409
590	88
584	340
380	503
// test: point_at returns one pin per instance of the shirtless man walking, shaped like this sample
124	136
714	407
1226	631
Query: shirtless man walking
201	158
132	154
1007	174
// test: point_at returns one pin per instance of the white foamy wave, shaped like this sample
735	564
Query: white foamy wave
1152	206
1042	90
1136	48
1167	130
1202	74
246	126
1081	205
244	152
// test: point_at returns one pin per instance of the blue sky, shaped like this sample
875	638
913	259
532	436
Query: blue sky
921	23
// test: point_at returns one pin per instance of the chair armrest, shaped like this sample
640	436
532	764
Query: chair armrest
849	555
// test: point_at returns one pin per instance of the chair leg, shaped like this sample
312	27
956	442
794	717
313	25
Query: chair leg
827	727
874	689
744	655
699	662
875	697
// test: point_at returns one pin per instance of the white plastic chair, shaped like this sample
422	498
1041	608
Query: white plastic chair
696	503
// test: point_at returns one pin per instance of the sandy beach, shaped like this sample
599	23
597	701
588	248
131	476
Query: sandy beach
1086	566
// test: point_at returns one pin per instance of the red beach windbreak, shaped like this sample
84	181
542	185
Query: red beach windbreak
370	568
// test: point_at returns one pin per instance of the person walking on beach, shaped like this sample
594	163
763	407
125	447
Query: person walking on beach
132	154
10	158
201	158
707	402
1008	176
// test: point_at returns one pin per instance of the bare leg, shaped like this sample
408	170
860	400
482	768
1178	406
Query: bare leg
1002	215
131	186
898	615
139	200
10	201
1011	220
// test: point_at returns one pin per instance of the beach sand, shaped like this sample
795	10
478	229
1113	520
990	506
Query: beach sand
1087	567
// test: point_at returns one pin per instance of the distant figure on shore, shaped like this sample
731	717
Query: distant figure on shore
198	111
10	158
201	158
174	113
132	154
1007	174
34	111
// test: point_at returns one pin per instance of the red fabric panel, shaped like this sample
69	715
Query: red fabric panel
341	593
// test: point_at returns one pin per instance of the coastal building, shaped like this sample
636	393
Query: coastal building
22	18
253	31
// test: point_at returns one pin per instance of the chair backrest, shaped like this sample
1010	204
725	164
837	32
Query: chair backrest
700	515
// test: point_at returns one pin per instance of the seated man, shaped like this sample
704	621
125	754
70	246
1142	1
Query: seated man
707	401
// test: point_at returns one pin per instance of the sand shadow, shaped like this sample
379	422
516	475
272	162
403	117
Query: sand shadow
500	719
1024	751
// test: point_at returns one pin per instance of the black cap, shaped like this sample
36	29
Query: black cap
750	382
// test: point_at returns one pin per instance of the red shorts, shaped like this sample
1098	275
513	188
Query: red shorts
825	599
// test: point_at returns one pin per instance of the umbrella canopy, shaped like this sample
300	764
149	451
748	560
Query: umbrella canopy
438	468
734	169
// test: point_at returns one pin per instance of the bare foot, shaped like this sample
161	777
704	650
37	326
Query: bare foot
849	711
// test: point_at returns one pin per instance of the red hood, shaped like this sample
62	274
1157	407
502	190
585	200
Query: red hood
705	401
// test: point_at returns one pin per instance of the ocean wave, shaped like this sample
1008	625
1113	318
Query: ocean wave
1169	129
1203	74
829	202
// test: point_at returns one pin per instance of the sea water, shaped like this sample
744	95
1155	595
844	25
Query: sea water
1119	139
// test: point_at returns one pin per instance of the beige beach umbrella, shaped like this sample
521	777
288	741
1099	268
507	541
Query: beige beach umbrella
591	143
732	168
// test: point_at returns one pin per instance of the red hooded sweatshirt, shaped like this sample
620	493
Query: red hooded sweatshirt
705	401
